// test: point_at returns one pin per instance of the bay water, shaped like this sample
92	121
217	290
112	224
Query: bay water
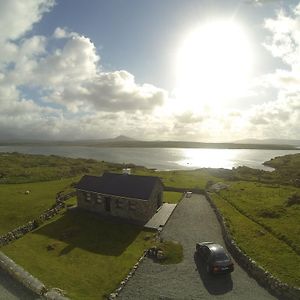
162	158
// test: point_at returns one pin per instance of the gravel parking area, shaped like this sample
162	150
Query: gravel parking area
192	221
12	290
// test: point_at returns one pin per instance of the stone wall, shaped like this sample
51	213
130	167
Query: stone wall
122	284
31	225
274	285
21	275
26	279
18	272
183	190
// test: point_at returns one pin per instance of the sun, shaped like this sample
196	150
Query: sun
214	63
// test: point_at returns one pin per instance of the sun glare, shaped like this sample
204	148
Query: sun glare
213	64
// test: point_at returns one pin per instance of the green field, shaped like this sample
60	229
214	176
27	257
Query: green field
17	208
19	168
99	254
172	197
263	226
80	253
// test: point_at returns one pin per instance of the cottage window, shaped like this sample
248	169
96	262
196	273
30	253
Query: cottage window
88	197
132	205
99	199
119	203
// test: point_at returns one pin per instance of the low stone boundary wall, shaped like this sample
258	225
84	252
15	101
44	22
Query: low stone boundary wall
118	290
17	272
266	279
31	225
26	279
21	275
183	190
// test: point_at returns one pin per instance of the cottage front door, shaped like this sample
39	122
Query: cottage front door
107	204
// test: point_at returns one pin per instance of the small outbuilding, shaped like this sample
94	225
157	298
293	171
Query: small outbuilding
132	197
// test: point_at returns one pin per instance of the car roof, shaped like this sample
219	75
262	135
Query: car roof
214	247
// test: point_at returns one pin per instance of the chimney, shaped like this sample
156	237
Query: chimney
126	171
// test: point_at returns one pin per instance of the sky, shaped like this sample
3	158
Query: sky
193	70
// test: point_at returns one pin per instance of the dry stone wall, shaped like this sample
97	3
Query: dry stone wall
31	225
273	284
18	272
122	284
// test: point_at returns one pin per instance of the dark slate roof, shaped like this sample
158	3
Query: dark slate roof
123	185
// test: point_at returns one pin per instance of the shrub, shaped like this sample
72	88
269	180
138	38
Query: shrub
293	199
274	212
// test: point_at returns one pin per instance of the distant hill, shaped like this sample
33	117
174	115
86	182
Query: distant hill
269	142
124	141
122	138
186	144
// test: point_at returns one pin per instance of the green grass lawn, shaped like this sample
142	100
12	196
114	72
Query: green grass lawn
88	257
266	205
264	247
17	208
172	197
184	179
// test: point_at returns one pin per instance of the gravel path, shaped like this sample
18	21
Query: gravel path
12	290
193	220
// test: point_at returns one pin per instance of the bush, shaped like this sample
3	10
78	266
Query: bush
172	252
273	213
293	199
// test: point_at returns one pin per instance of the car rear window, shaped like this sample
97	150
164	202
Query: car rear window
219	256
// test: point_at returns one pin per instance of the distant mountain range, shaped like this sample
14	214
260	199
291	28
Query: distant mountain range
125	141
269	142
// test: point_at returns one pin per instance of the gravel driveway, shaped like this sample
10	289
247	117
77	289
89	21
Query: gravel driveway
12	290
193	220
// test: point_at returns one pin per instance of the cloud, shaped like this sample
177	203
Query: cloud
72	77
188	117
114	91
259	2
18	17
280	115
51	87
55	87
284	41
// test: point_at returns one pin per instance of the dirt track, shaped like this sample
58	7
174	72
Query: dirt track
193	220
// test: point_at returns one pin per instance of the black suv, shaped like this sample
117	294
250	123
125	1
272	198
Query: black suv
215	257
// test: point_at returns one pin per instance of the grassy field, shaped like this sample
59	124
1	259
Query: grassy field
286	171
18	168
184	179
80	253
267	206
98	254
172	197
263	226
17	208
76	252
